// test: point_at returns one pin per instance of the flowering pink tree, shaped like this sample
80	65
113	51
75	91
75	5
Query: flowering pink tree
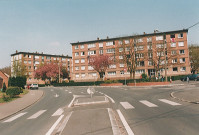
48	71
100	63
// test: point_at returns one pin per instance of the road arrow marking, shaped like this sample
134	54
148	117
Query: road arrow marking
56	95
58	112
15	117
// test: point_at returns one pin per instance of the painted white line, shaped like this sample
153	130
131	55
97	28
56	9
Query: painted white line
114	125
66	90
126	105
124	122
56	95
15	117
169	102
72	101
70	92
58	112
61	128
54	125
147	103
34	116
110	98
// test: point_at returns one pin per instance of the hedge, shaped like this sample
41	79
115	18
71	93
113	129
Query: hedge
13	91
17	81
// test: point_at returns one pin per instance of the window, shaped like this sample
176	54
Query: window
120	42
29	67
160	54
175	69
172	36
90	68
76	75
140	40
150	63
100	44
181	51
159	46
140	71
82	60
36	62
36	57
81	46
92	74
91	45
76	47
76	68
42	57
149	47
120	57
112	73
140	48
182	60
121	65
25	62
182	68
54	58
173	52
29	56
159	38
82	67
29	62
76	54
126	41
174	61
180	35
82	53
150	55
91	52
48	57
30	73
63	59
112	50
109	43
83	75
120	49
112	66
140	63
100	51
76	61
149	39
139	55
173	44
122	72
180	43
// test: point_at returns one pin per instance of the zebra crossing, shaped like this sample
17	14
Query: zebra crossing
127	105
34	116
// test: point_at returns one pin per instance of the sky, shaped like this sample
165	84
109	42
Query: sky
49	26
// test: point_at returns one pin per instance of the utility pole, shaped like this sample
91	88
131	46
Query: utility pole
165	57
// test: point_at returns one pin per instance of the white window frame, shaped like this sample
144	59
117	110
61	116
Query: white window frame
82	60
158	38
83	67
81	46
91	45
180	44
76	47
76	61
110	43
76	54
100	44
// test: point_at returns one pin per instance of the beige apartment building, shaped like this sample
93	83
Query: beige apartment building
31	61
168	49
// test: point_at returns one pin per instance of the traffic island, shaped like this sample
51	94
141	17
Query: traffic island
88	100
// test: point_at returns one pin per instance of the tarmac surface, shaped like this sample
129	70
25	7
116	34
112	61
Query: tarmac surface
11	108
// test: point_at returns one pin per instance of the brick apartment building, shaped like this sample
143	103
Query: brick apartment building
33	60
147	47
3	79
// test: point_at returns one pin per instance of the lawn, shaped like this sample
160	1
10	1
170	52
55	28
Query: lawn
10	99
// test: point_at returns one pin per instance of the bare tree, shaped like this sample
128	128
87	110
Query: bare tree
194	58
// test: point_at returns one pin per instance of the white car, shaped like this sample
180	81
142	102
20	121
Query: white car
34	86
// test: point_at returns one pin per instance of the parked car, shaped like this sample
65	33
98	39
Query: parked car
194	77
34	86
185	78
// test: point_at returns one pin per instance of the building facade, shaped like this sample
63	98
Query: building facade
151	51
3	79
31	61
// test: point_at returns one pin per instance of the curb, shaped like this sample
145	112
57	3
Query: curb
24	107
181	99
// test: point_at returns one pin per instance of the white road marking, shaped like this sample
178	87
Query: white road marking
66	90
56	95
72	101
169	102
147	103
15	117
34	116
52	90
110	98
54	125
126	105
70	92
124	122
61	128
58	112
114	124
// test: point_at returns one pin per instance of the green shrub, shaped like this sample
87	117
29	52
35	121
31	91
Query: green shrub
41	85
111	81
4	87
17	81
5	98
13	91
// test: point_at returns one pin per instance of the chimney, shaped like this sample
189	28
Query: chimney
97	38
144	33
16	51
107	37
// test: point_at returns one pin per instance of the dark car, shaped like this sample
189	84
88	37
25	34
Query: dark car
185	78
194	77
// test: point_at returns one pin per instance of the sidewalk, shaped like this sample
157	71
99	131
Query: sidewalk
17	105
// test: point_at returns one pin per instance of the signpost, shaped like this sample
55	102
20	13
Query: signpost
125	70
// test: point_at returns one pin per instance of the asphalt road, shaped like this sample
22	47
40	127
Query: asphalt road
147	111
